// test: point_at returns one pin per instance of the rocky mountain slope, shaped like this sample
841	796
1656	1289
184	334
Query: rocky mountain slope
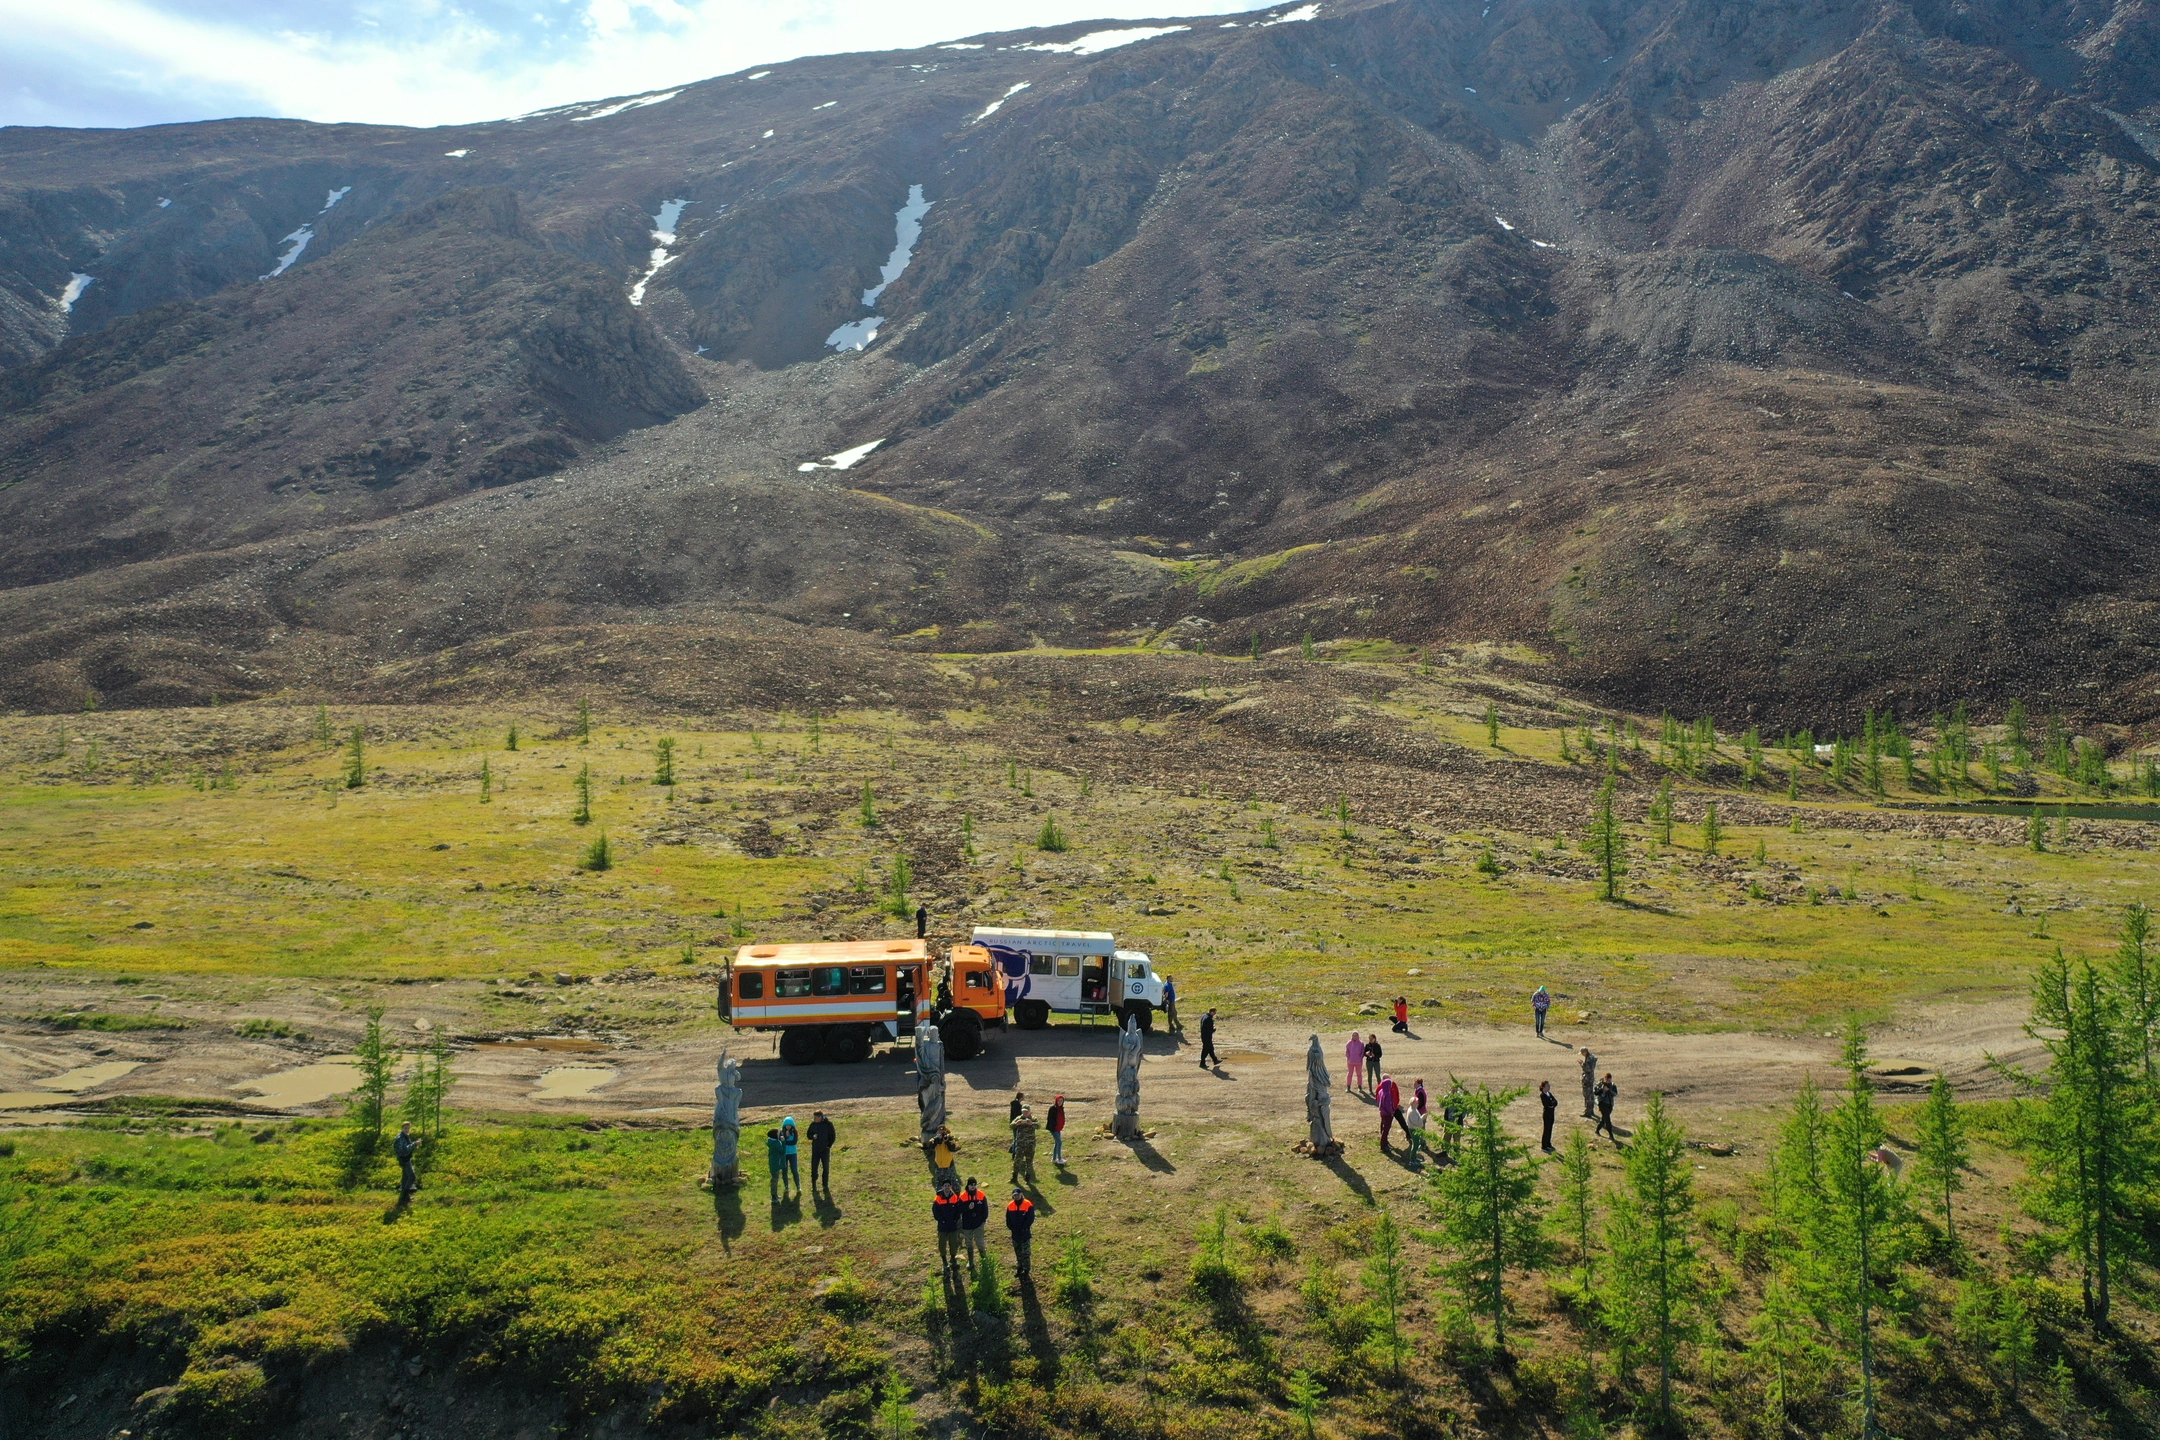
1773	358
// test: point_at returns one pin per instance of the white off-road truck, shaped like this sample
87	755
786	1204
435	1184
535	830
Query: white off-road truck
1071	972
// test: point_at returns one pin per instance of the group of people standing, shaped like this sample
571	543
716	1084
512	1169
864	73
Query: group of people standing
783	1150
961	1213
1363	1054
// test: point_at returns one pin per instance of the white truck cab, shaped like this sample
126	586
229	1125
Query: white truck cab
1071	972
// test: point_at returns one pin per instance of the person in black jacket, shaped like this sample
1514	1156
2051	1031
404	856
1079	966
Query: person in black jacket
404	1146
974	1214
1606	1093
945	1209
1020	1220
1207	1040
822	1136
1551	1104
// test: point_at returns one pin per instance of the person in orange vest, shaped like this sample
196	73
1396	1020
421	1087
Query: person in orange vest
1020	1220
945	1209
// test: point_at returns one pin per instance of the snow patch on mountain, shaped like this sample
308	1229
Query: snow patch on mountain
1097	41
297	241
992	109
845	460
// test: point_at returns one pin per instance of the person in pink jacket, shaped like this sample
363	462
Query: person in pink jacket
1354	1052
1390	1098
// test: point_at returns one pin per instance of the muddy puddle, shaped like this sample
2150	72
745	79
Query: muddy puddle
29	1099
88	1077
552	1044
573	1082
305	1085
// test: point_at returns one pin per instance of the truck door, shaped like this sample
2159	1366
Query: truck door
1094	979
905	985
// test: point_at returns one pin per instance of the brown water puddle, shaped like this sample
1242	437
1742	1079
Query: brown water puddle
305	1085
573	1082
550	1043
88	1077
29	1099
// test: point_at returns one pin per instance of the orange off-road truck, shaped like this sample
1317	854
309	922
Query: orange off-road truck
837	1001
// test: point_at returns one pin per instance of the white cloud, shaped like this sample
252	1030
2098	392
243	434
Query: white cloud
105	62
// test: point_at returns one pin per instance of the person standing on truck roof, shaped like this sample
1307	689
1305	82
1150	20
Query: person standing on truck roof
1169	1005
1207	1041
1402	1014
1023	1146
1354	1052
822	1136
922	922
1020	1222
1372	1061
1540	1002
974	1214
945	1210
1056	1123
1550	1104
1589	1084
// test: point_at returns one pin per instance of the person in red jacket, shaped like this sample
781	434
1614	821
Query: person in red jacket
1402	1014
1020	1221
1056	1124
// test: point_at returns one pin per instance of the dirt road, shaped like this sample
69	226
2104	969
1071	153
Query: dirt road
1260	1082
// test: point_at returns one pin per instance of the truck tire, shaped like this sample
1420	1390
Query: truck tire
846	1045
961	1031
1141	1012
800	1044
1031	1014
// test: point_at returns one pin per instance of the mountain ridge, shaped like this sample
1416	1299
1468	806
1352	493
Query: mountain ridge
1250	287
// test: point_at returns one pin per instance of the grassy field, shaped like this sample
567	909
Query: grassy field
582	1267
227	843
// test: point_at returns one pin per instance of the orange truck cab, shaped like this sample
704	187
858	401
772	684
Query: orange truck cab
838	1000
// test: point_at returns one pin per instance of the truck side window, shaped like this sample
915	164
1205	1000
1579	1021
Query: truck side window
1039	964
978	979
1136	970
1068	965
866	980
753	985
829	980
790	984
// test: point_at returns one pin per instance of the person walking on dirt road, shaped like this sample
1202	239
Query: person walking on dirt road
1207	1041
974	1214
822	1136
1354	1052
1023	1146
404	1146
1020	1223
1540	1002
1589	1084
1169	1006
1607	1093
1055	1123
1550	1104
1372	1062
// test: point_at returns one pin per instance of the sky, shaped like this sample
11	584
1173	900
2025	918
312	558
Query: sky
438	62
